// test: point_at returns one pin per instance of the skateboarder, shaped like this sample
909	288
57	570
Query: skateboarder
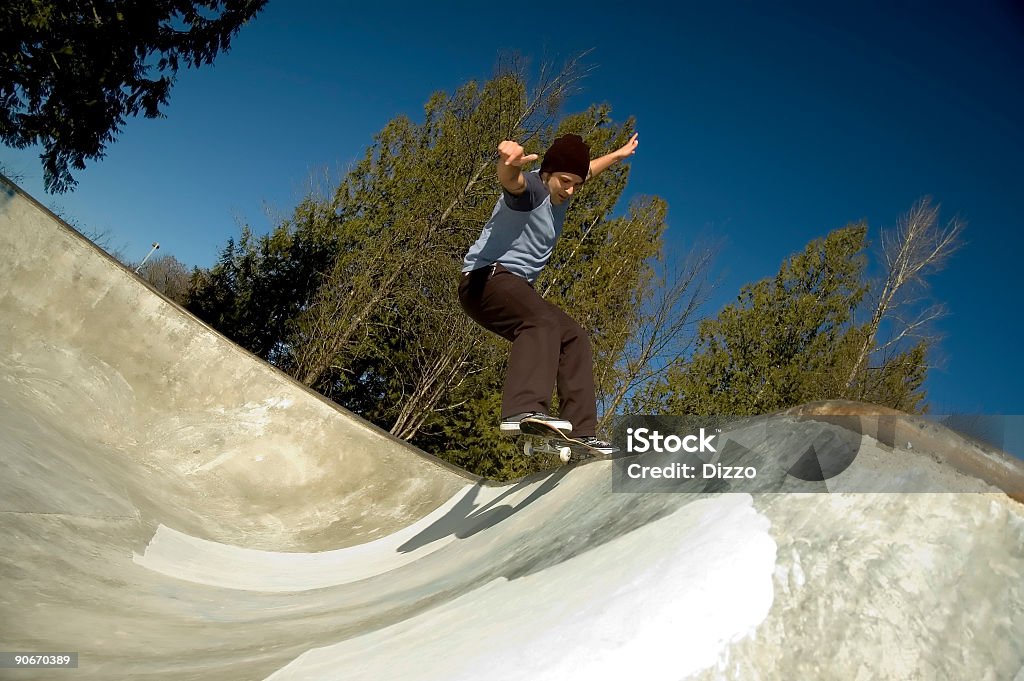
549	349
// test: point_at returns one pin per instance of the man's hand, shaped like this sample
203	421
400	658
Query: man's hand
599	165
512	154
629	148
510	166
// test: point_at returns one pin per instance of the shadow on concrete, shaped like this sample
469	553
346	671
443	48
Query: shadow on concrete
465	519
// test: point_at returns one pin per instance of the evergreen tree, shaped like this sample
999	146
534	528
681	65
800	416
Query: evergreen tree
72	71
261	284
790	340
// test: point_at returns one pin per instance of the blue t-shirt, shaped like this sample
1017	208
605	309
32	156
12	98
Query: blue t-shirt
521	233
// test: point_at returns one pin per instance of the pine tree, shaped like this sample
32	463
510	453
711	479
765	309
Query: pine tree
790	340
72	71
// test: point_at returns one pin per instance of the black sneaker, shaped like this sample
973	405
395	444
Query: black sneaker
599	445
510	424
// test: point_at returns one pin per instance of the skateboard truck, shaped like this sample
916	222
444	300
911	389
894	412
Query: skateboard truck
542	438
535	444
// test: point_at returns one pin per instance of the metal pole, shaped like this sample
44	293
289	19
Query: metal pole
151	251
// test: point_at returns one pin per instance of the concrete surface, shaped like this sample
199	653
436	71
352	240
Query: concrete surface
171	507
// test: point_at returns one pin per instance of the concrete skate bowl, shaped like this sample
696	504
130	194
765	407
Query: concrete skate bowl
174	508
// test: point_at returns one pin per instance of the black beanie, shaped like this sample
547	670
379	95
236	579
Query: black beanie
567	154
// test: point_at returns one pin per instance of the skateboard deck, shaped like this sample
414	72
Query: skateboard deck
541	438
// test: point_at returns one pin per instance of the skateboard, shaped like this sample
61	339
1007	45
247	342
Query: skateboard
541	438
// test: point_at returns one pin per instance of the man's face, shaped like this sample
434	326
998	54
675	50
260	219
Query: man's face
562	185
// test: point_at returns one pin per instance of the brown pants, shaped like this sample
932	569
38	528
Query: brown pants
549	348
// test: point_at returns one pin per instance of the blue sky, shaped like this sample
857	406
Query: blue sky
763	124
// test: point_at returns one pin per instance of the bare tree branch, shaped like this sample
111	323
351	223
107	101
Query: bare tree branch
916	247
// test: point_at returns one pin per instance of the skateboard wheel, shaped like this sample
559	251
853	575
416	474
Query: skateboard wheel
528	448
564	453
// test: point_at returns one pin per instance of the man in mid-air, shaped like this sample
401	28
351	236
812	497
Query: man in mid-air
549	349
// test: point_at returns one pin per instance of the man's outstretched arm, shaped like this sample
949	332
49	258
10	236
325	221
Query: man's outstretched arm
599	165
511	160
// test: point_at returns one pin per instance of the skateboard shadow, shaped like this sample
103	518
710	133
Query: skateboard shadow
466	519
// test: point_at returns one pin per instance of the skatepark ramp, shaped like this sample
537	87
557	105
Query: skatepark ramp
172	507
